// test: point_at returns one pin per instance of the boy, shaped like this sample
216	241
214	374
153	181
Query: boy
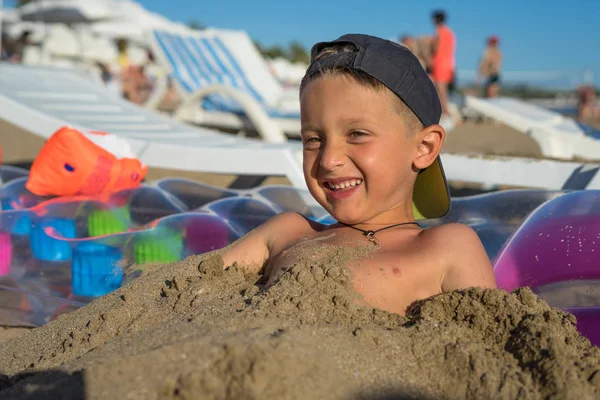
369	116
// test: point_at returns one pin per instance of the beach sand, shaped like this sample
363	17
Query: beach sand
194	330
490	138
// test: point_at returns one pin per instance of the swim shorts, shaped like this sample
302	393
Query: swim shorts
442	74
493	79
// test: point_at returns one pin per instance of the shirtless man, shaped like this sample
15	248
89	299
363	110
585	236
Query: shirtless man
371	138
490	66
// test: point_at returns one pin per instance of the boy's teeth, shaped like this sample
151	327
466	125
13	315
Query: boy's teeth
346	184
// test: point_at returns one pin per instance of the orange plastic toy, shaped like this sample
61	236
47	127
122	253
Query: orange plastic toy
73	163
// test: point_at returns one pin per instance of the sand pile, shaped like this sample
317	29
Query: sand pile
193	330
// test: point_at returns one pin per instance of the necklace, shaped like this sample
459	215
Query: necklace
371	234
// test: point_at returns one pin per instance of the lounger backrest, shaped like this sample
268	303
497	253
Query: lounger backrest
199	59
522	115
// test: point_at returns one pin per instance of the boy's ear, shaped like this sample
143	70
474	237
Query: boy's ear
430	141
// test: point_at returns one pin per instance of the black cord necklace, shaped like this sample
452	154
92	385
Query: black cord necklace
371	234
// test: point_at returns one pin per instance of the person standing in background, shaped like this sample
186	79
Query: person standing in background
443	60
18	48
6	48
128	73
490	67
586	104
421	47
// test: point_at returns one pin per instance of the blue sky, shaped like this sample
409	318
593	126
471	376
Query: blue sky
536	35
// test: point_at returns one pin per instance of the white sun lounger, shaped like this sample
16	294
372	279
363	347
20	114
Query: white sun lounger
226	82
41	100
558	136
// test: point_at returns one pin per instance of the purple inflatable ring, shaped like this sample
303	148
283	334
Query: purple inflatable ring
558	245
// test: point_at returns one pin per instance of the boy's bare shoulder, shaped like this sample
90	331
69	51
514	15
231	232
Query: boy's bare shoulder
450	242
464	261
288	225
290	218
448	235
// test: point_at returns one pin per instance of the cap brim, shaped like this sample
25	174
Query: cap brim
431	198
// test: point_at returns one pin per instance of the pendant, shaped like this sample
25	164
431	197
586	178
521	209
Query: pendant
371	236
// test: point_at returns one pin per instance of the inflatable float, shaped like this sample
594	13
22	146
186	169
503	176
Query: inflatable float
59	253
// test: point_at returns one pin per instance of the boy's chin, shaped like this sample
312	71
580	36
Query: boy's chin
345	213
346	217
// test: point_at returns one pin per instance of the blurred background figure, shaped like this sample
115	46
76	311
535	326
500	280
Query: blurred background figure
12	50
136	86
5	47
443	60
127	73
421	47
410	43
109	79
490	67
587	111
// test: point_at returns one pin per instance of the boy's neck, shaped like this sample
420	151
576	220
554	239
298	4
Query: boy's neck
393	216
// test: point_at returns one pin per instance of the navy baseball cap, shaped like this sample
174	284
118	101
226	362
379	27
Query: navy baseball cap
399	70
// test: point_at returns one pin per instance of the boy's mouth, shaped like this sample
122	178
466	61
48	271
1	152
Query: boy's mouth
341	185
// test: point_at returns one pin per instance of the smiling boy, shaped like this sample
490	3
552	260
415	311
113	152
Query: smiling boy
371	136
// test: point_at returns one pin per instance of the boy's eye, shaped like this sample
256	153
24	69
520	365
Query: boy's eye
358	134
312	142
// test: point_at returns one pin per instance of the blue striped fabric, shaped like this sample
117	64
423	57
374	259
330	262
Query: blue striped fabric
199	62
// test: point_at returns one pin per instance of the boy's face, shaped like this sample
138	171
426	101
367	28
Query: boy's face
358	156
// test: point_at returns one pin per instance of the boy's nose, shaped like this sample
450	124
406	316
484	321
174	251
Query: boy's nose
332	156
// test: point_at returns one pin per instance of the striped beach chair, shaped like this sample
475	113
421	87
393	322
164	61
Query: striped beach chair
226	83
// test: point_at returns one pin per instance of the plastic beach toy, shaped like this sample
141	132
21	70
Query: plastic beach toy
45	245
5	253
161	246
106	222
76	163
208	233
96	269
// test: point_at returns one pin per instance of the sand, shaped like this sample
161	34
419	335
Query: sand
490	138
194	330
11	332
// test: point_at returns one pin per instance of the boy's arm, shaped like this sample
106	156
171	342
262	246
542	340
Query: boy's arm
467	263
253	251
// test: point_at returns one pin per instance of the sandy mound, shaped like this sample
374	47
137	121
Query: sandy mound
193	330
